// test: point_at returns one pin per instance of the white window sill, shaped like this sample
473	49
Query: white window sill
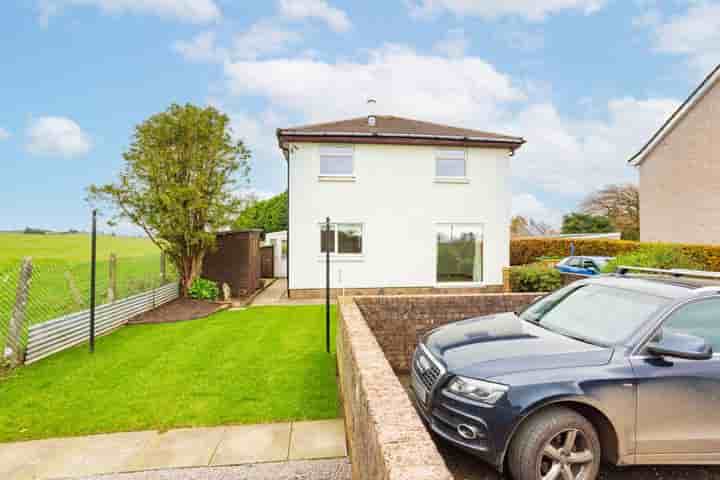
342	258
336	178
452	180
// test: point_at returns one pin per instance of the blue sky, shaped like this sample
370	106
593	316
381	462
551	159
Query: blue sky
584	81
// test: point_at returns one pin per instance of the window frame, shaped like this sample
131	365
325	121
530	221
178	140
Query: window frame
483	280
338	152
335	252
439	155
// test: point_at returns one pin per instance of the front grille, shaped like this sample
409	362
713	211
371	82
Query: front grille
426	370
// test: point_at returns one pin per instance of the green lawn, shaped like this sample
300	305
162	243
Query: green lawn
263	364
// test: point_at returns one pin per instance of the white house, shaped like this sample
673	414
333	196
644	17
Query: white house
414	206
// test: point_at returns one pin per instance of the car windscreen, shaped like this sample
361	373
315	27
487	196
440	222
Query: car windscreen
595	313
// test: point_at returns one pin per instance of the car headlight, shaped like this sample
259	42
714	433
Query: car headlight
478	390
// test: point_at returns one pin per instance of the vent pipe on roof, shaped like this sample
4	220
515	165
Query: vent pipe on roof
372	117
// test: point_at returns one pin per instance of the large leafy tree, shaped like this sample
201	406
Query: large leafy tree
621	204
271	215
179	183
584	223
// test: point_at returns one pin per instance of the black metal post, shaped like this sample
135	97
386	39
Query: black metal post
93	254
327	284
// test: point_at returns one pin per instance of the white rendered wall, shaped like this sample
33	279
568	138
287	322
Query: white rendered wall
396	198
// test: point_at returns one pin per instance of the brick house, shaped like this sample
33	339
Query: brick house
680	171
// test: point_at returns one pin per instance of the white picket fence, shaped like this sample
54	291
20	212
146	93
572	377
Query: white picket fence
47	338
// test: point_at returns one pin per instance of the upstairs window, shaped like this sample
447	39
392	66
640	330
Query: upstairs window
343	238
450	163
336	161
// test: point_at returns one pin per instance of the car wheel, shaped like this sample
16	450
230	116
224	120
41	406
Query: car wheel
555	444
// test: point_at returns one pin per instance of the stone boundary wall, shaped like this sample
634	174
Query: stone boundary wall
399	321
313	293
386	438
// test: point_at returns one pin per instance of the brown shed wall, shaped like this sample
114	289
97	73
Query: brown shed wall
235	261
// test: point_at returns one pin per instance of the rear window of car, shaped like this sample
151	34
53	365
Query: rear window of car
597	313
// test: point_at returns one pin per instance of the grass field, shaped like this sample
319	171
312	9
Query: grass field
70	247
61	271
263	364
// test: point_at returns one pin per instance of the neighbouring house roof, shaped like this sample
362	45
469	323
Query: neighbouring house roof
697	95
394	130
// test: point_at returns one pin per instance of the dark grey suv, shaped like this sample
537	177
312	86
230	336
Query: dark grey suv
617	368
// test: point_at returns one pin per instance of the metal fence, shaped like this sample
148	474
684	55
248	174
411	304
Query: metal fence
35	292
50	337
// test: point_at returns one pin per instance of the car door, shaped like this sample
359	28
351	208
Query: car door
678	401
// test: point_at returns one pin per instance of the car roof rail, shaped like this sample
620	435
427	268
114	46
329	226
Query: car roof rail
675	272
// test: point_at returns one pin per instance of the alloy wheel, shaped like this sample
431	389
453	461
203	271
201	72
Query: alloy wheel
567	456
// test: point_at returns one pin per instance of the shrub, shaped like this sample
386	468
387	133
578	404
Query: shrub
528	250
655	256
534	278
204	289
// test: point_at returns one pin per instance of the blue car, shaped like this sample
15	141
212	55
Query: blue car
617	368
583	265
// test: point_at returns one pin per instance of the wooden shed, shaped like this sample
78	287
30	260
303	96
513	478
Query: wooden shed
235	261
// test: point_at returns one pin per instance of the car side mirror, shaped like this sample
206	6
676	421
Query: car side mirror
680	345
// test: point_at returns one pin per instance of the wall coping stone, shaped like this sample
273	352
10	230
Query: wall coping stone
387	438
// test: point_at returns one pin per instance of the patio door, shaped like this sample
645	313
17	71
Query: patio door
459	250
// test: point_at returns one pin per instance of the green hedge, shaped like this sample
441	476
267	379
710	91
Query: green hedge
654	256
534	278
526	251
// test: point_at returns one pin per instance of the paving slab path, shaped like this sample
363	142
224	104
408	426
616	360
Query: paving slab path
182	448
276	294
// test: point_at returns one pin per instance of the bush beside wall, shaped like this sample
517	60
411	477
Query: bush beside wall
526	251
535	278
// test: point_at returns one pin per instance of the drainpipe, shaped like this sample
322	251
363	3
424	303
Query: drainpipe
287	255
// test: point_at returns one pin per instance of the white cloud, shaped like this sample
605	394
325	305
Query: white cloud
301	9
200	48
4	134
529	206
263	38
572	156
694	33
193	11
260	40
532	10
57	136
404	82
564	155
454	44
